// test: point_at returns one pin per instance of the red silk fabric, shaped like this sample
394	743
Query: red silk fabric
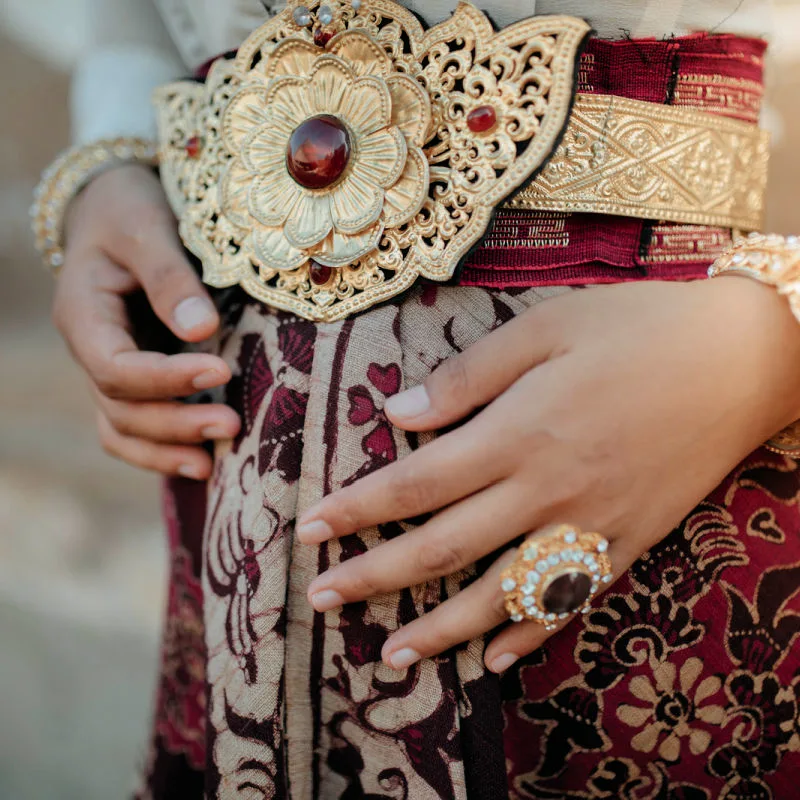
718	74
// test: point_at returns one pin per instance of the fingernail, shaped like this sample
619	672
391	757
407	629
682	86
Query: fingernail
404	658
411	403
208	379
190	471
326	600
315	531
193	312
502	663
215	432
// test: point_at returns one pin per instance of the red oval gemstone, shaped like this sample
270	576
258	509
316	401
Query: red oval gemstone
322	37
318	152
482	119
319	273
193	146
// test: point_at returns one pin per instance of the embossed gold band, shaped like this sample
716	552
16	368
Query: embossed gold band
67	176
638	159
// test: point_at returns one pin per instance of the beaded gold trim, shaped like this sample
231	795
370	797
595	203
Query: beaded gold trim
422	182
550	554
66	176
774	260
638	159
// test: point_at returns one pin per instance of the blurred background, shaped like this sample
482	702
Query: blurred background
82	557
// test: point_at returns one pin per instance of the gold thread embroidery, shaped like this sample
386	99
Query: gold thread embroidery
686	243
539	231
740	96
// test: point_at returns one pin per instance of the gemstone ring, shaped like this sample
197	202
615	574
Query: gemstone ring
556	574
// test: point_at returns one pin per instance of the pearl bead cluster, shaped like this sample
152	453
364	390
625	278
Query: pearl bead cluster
304	17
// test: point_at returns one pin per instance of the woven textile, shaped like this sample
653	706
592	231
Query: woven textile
718	74
682	682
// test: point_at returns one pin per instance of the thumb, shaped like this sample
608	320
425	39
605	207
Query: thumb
175	292
146	242
475	377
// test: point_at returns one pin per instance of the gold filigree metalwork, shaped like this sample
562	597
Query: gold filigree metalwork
637	159
774	260
421	186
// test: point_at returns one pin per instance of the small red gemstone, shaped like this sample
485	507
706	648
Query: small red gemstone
319	273
481	119
322	37
318	152
193	146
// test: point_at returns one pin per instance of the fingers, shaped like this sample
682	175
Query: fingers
143	238
90	313
169	422
454	539
189	462
476	376
474	612
453	466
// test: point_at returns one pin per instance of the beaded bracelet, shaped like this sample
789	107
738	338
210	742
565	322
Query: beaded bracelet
774	260
65	178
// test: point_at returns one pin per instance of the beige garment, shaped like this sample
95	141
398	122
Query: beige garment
130	52
303	676
204	28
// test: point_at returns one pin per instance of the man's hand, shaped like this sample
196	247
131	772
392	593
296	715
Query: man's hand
121	237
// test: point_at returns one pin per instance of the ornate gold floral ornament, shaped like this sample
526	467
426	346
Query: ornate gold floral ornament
346	151
420	134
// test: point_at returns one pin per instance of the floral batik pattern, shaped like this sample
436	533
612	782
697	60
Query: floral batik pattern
681	683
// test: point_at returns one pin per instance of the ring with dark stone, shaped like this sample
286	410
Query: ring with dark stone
556	574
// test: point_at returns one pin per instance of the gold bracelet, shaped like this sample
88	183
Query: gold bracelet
774	260
70	173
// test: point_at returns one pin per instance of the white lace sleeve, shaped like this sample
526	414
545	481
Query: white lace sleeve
128	55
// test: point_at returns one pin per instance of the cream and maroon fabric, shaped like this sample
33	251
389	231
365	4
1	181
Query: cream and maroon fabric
682	683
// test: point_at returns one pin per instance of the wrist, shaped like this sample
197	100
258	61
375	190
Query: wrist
69	174
765	339
92	198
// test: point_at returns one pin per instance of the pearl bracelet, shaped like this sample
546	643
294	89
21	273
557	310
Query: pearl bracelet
65	178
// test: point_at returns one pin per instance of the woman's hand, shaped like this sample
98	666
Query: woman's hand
121	237
616	409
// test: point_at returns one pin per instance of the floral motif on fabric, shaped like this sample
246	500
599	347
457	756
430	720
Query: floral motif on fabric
691	657
681	684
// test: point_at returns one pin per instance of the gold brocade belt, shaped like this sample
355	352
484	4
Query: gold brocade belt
638	159
346	151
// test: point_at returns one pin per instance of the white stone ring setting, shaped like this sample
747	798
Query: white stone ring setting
556	574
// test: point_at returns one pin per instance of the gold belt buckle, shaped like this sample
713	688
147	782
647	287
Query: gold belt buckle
346	151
